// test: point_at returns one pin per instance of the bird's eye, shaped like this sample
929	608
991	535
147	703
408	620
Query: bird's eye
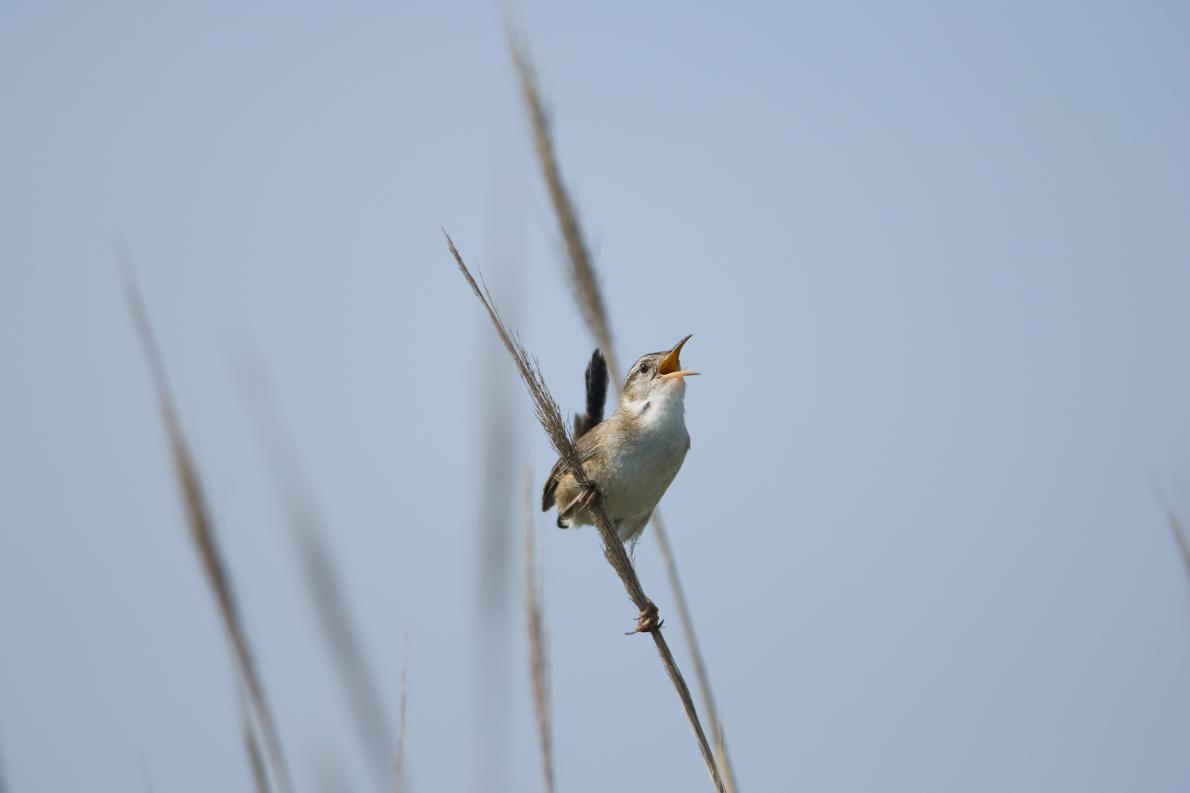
644	367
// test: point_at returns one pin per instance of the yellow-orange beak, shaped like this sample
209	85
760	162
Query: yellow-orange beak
671	366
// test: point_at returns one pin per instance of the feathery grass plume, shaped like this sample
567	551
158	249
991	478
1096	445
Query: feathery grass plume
550	417
323	582
538	670
399	765
202	531
260	777
585	286
582	274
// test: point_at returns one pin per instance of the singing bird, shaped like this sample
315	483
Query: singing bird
634	455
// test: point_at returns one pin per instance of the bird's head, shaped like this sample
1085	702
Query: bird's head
657	374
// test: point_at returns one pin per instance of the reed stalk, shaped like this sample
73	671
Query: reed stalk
538	669
202	532
589	296
324	584
399	765
260	777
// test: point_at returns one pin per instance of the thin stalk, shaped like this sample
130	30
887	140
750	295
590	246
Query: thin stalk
700	671
550	417
538	669
324	584
260	777
585	286
1175	525
400	762
202	532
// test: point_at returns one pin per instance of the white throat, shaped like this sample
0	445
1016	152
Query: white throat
665	404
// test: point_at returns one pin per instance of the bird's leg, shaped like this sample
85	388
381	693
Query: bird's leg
648	621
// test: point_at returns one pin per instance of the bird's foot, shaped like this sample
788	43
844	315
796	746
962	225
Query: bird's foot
649	620
589	494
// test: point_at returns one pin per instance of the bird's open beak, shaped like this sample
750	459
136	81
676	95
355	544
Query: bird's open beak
670	366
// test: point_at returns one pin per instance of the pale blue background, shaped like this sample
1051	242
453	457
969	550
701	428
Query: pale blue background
936	261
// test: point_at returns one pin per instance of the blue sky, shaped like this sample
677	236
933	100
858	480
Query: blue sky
934	258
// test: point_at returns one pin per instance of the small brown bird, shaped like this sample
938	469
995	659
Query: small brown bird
635	454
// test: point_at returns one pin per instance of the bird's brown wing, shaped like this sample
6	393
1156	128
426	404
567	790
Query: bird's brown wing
596	382
587	447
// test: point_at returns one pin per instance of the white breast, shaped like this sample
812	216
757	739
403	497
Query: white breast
646	468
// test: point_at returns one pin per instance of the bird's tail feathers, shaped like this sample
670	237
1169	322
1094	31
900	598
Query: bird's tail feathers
596	380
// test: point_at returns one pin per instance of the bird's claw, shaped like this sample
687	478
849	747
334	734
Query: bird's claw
648	621
589	494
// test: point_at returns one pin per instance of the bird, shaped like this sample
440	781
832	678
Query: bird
633	455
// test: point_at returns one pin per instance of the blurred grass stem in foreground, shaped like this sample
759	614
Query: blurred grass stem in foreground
202	531
538	669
